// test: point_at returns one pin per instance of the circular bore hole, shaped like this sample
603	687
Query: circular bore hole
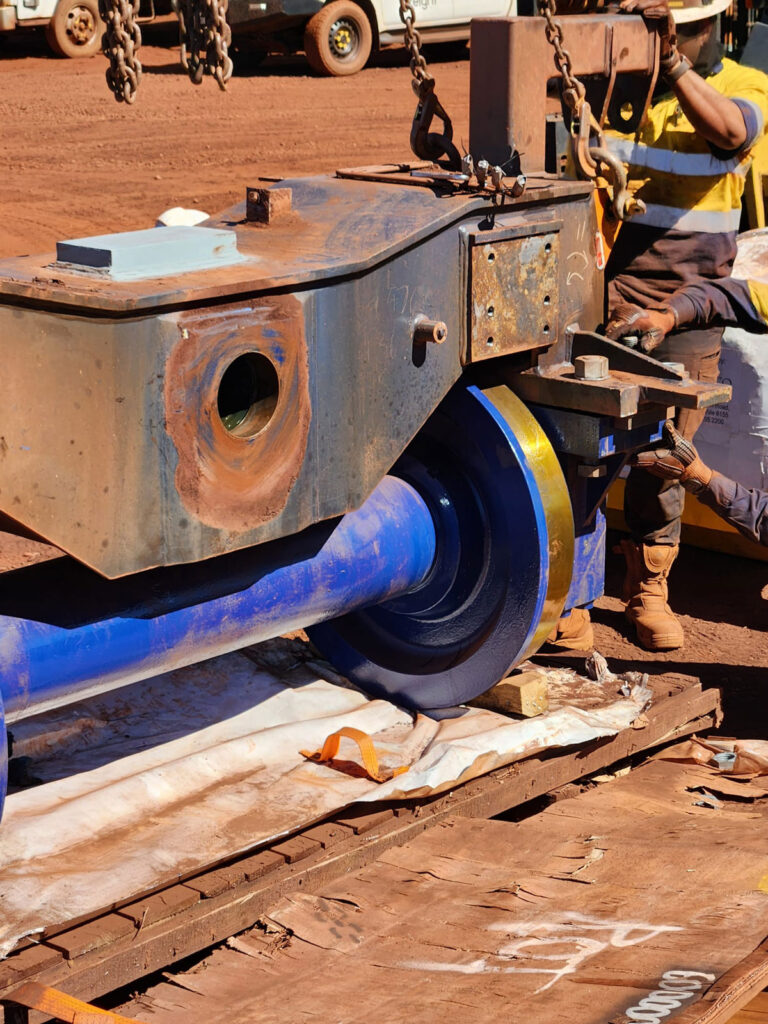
547	300
489	342
548	247
247	394
491	310
546	328
626	112
491	257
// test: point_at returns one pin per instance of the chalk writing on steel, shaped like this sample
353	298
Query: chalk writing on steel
552	947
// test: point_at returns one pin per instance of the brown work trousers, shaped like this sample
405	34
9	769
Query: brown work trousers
653	508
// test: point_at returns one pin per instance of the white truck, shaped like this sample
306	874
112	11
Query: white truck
339	36
73	27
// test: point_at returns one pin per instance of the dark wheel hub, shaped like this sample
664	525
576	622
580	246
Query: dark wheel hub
503	567
80	25
344	39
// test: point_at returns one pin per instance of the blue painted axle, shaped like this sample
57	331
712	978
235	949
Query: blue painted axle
382	550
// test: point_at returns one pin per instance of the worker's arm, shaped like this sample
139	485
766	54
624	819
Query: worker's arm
718	119
744	508
727	302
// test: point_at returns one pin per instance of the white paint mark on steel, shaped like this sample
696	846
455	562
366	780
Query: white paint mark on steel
552	947
675	988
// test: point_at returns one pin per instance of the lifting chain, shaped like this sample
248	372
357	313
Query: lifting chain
585	129
120	44
425	144
205	37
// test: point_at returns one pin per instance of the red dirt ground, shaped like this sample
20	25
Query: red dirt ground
74	163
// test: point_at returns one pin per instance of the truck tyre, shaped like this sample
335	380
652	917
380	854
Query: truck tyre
76	28
338	39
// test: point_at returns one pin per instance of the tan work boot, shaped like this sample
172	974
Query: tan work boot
574	631
645	591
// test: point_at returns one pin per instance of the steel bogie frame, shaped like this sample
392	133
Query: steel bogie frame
139	449
349	403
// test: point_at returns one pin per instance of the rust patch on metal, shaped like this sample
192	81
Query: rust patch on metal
514	295
238	478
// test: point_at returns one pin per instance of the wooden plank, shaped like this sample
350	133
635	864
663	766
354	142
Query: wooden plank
27	964
623	904
160	907
104	931
297	848
236	908
364	819
755	1011
328	835
522	694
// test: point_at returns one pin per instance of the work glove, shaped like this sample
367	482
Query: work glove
679	461
648	326
658	17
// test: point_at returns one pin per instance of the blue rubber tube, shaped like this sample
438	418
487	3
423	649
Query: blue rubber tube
381	550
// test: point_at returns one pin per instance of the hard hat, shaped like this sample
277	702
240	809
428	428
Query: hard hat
684	11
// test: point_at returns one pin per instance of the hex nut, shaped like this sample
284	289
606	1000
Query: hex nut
590	367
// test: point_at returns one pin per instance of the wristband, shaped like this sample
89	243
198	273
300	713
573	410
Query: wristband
673	311
676	72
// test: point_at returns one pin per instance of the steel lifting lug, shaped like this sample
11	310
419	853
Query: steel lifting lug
429	145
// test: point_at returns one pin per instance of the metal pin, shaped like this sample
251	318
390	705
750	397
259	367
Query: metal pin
468	165
482	172
426	331
518	186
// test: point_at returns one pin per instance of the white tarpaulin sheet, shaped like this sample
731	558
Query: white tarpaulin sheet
151	782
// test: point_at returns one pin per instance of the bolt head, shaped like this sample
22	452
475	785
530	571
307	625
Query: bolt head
590	367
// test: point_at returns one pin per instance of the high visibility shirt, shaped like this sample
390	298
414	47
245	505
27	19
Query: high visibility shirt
725	303
692	191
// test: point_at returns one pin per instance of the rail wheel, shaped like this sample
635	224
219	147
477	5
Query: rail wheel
503	566
338	39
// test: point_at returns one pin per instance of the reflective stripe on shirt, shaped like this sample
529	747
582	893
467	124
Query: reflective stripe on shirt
637	155
707	221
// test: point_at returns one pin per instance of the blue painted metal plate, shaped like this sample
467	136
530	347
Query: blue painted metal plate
153	252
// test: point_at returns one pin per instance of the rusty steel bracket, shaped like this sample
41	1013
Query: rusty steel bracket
632	380
619	356
426	144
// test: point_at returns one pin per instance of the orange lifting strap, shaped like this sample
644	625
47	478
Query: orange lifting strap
367	752
58	1004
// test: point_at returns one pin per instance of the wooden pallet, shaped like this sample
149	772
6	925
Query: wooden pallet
90	958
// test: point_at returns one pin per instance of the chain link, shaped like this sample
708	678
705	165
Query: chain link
120	43
574	91
205	38
590	152
419	68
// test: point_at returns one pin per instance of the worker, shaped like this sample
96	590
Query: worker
678	460
688	163
724	303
